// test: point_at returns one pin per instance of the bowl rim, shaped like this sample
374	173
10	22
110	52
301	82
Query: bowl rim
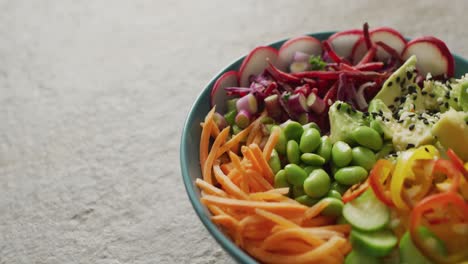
227	244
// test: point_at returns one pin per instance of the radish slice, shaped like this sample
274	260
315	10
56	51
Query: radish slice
256	62
387	35
359	51
218	95
344	41
433	56
390	37
305	44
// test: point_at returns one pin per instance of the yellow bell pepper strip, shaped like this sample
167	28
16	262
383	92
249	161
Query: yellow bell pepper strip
403	170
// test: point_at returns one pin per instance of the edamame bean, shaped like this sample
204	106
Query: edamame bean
306	200
282	141
367	137
334	194
312	159
298	191
339	187
310	140
293	130
376	125
341	154
350	175
295	174
363	157
292	152
309	169
311	125
280	179
334	207
317	184
386	150
325	148
274	162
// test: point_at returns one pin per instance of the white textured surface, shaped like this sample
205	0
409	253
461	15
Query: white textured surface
92	102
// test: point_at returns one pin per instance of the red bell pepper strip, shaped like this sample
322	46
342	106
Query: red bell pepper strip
378	176
354	191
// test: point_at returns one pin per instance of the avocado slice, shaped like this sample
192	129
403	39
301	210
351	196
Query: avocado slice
406	129
401	82
441	97
344	119
452	132
463	99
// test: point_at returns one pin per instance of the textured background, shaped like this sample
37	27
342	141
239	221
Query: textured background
93	96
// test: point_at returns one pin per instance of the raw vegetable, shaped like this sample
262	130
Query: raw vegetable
366	212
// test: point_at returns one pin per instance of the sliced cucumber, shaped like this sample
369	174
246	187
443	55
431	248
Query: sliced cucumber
409	253
358	257
366	212
378	243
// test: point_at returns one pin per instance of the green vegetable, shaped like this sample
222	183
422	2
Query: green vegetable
341	154
231	104
317	184
231	117
309	169
311	125
317	63
358	257
366	212
378	243
274	162
293	130
325	148
334	208
339	187
310	140
367	137
282	141
350	175
334	194
292	152
409	253
306	200
312	159
298	191
295	174
363	157
280	179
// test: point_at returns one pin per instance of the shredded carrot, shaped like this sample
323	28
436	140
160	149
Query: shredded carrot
258	178
228	185
263	163
210	189
262	220
212	155
205	138
271	143
277	207
275	218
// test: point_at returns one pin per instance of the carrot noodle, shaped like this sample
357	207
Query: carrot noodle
263	163
210	189
271	143
205	138
237	187
212	155
227	184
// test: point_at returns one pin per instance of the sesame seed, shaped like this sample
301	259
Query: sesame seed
411	127
409	146
423	92
390	84
398	79
426	122
432	95
446	105
409	75
455	99
338	106
426	149
396	99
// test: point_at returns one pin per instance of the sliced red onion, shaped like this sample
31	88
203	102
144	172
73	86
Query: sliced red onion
360	99
219	120
301	57
247	103
299	66
315	103
297	103
304	89
243	118
273	106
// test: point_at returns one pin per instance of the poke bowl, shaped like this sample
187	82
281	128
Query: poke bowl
326	163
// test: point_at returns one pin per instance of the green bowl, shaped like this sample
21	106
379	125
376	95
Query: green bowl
189	151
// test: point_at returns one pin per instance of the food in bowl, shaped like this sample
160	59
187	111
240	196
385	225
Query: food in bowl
348	150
